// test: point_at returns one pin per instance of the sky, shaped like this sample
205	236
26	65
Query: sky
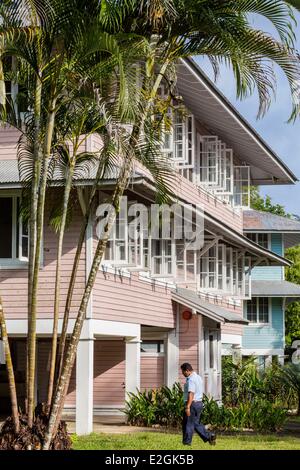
283	137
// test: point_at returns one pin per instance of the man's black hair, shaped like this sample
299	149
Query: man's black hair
186	366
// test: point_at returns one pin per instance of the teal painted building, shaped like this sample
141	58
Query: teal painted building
264	336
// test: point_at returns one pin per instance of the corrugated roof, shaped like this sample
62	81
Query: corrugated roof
274	289
192	300
265	221
9	174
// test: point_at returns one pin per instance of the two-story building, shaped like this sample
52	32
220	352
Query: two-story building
270	292
156	303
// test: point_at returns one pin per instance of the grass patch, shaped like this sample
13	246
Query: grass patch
165	441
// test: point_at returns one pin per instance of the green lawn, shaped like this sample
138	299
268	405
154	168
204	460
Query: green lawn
164	441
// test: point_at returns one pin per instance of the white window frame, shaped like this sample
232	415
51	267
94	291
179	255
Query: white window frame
114	260
258	323
150	353
14	261
187	141
227	259
207	173
164	258
225	171
209	259
180	245
237	197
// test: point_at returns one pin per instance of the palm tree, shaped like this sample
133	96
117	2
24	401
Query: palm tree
74	41
82	120
222	32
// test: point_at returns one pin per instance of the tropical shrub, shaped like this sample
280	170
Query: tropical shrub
291	378
259	415
245	382
164	407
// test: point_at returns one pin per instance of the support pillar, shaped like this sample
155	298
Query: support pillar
268	361
84	386
172	358
236	353
132	365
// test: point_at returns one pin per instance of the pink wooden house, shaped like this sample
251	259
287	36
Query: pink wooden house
153	306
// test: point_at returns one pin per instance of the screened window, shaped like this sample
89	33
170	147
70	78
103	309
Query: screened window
257	310
261	239
152	347
14	232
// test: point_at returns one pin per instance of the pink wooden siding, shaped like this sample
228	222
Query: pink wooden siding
13	282
43	366
132	300
188	342
109	372
152	372
233	328
8	143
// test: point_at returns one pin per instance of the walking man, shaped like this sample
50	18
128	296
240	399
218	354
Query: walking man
193	406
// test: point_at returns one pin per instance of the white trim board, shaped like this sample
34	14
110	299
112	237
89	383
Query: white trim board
90	328
231	339
262	352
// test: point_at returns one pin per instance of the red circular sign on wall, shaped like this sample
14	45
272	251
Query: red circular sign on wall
186	314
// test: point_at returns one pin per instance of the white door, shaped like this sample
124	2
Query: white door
212	363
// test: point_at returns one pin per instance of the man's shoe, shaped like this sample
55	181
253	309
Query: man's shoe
213	438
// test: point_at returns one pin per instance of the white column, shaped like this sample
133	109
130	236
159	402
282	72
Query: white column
236	353
268	361
201	347
84	386
281	360
132	365
172	358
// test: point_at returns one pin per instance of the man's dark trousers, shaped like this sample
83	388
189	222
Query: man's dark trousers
192	423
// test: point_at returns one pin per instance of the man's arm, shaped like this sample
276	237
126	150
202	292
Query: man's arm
189	402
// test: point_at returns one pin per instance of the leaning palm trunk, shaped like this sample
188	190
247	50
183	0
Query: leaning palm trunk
37	258
80	243
69	360
67	192
64	378
10	370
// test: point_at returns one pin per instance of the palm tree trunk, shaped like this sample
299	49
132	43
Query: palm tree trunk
33	212
63	337
67	192
35	277
10	370
64	378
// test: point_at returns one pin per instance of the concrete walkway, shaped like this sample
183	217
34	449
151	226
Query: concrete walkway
112	428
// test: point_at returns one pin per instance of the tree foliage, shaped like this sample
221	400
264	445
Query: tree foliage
292	316
260	203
